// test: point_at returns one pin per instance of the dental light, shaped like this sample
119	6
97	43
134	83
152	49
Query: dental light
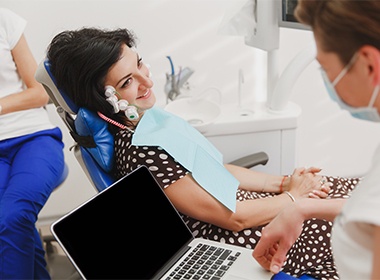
269	16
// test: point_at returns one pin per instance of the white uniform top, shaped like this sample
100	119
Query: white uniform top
22	122
352	237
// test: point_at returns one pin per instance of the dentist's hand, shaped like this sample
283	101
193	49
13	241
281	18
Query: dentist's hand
277	238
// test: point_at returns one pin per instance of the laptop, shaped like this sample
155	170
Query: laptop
132	231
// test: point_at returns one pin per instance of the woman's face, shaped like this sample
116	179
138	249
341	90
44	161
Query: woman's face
130	77
355	88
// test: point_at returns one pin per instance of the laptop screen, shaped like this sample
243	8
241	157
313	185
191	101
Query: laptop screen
128	231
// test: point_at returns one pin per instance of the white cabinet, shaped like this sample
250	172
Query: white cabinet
242	133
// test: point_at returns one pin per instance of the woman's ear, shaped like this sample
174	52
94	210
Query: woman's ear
372	56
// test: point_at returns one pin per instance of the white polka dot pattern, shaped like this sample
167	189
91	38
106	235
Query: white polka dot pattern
128	157
311	254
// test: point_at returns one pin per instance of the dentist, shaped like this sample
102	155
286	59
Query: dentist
31	154
347	37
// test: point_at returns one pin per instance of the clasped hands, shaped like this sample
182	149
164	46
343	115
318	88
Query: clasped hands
306	182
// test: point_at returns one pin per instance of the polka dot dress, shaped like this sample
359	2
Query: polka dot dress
128	158
311	254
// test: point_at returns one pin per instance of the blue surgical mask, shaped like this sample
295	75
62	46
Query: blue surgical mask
364	113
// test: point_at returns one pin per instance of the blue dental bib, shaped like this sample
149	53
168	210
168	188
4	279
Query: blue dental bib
191	149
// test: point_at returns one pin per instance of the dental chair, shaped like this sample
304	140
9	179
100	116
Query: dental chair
95	160
94	144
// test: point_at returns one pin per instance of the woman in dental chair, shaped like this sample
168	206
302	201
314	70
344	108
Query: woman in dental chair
31	154
102	71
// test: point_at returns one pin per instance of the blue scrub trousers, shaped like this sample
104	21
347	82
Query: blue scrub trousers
30	169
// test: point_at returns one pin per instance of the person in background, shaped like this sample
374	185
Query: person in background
31	154
347	36
102	71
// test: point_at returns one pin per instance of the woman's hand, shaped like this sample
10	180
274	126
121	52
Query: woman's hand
325	185
307	183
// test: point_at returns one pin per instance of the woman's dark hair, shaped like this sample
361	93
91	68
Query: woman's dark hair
80	60
343	26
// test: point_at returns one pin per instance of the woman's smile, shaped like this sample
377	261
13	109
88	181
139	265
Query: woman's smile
146	95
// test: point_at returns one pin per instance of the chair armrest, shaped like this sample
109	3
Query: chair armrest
251	160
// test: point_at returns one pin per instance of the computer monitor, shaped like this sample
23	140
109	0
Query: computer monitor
265	35
270	15
286	15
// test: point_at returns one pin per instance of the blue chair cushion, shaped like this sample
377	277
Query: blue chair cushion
99	177
88	123
283	276
69	103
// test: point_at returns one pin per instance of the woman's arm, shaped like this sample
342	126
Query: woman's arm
252	180
376	254
192	200
34	95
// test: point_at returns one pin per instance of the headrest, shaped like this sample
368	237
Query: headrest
88	123
59	96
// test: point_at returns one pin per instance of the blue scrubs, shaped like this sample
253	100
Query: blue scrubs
31	167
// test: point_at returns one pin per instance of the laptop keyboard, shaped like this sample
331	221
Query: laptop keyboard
205	262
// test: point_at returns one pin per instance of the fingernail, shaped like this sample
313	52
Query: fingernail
275	269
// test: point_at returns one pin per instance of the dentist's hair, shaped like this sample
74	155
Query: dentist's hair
80	60
343	26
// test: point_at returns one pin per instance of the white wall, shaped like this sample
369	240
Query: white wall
328	137
187	31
